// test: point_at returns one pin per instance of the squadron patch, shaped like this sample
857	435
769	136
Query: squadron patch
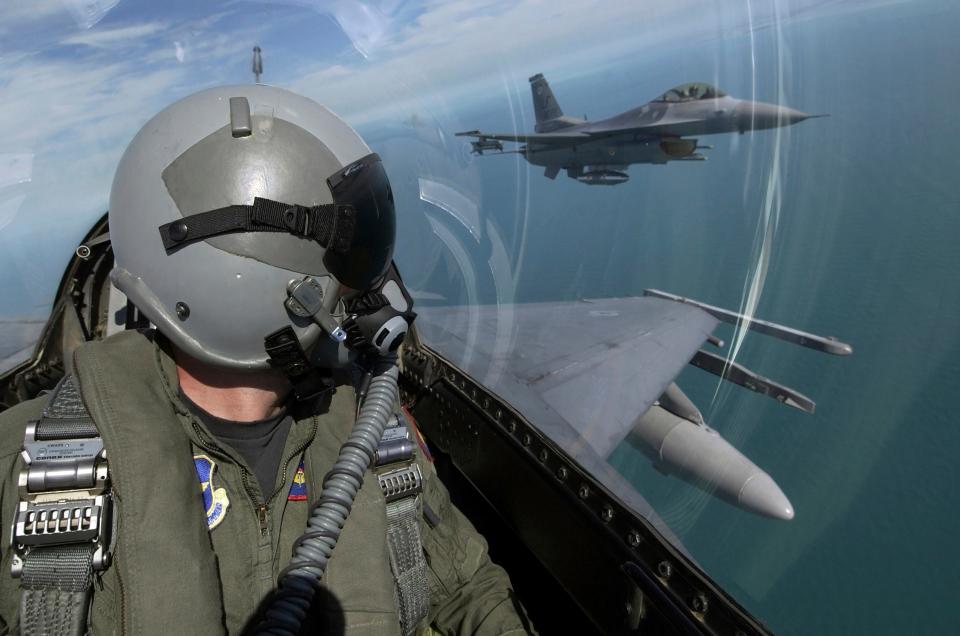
298	489
215	500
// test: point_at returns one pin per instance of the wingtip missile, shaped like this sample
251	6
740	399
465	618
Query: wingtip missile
486	145
827	344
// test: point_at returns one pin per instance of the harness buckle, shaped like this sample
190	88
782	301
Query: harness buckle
64	498
401	483
397	472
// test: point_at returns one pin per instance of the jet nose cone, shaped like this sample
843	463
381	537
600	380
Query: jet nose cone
762	495
791	116
758	116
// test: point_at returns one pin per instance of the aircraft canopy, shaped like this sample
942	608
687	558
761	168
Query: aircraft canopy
691	92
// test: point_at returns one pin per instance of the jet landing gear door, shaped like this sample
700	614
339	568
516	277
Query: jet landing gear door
566	526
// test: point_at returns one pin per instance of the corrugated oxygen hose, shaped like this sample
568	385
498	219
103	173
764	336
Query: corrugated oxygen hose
299	580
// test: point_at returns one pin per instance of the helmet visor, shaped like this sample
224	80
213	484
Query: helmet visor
363	185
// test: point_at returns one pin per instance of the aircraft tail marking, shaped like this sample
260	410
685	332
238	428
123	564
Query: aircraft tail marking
545	105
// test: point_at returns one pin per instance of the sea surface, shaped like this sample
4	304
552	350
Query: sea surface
846	226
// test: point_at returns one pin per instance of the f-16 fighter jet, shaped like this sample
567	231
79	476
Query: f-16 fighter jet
598	153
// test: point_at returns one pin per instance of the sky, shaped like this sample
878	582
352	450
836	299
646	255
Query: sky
78	77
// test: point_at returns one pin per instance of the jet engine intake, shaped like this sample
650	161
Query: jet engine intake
676	147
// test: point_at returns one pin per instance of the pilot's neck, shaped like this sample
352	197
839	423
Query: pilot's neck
232	395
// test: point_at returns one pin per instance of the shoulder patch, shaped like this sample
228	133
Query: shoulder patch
298	489
215	500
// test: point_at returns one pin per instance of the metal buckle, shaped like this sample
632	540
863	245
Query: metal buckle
401	483
396	469
395	445
64	497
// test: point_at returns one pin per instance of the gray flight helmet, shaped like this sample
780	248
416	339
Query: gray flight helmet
217	299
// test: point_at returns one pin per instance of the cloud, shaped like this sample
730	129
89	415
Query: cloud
21	14
76	99
88	13
465	46
116	37
74	113
455	48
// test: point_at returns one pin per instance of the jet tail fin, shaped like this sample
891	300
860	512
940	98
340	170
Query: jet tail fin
545	106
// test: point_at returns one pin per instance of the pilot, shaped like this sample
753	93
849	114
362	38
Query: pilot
244	465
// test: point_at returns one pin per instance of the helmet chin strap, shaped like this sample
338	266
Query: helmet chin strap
286	353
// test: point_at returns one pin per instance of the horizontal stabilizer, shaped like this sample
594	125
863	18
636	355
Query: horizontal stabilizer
789	334
739	374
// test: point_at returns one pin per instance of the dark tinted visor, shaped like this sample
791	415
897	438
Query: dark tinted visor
364	185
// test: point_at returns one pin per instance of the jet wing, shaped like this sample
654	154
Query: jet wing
560	138
582	372
662	128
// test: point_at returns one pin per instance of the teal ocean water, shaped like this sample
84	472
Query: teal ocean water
864	222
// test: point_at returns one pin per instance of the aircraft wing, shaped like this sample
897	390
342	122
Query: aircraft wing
492	142
660	128
581	371
540	138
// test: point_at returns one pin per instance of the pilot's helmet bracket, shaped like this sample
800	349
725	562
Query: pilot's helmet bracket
307	298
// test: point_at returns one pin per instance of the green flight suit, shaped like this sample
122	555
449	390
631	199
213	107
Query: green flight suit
171	574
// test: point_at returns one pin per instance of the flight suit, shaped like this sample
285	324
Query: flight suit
171	573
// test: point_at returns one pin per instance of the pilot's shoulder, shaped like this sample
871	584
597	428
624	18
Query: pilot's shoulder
13	423
127	341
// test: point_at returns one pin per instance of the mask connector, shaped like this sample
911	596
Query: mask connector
305	298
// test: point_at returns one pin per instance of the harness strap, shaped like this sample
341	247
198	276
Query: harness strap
407	562
56	590
60	529
401	482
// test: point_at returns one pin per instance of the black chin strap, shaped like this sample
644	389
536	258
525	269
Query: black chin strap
287	354
329	224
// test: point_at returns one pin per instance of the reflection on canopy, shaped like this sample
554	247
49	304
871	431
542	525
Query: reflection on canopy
691	92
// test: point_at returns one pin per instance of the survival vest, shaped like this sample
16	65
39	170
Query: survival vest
116	487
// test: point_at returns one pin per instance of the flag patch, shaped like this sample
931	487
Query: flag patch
298	489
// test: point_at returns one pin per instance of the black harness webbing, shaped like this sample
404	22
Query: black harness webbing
56	590
59	538
330	224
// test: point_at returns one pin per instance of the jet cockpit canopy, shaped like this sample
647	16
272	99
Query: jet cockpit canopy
690	92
